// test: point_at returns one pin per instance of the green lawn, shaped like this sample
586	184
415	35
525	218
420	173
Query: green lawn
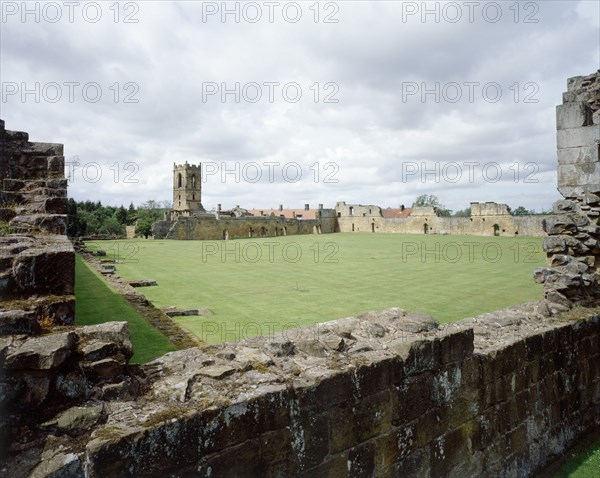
585	464
97	303
255	286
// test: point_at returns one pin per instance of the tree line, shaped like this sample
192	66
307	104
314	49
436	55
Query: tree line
89	218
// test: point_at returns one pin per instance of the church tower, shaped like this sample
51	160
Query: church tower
187	189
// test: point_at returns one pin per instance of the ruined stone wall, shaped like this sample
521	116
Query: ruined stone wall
206	227
572	244
36	259
46	364
503	225
489	209
385	394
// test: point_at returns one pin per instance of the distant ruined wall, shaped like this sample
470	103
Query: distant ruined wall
476	225
211	228
489	209
572	244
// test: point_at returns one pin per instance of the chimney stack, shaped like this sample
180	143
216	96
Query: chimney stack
402	207
320	206
281	207
306	207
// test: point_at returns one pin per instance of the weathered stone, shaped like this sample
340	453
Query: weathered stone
577	137
573	115
46	272
18	322
73	385
59	465
456	346
334	342
76	420
42	353
416	322
104	368
559	225
48	223
98	349
117	332
142	283
313	348
217	372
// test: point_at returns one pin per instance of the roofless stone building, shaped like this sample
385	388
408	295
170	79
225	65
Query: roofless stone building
384	394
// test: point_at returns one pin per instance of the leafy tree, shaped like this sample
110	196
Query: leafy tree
432	200
463	213
150	204
147	214
121	215
91	221
144	227
131	215
112	227
72	223
88	217
521	211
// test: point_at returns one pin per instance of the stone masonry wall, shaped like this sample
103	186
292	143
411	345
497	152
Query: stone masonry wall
477	225
211	228
36	258
385	394
47	366
572	245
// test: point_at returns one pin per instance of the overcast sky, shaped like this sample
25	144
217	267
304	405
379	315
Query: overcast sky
293	103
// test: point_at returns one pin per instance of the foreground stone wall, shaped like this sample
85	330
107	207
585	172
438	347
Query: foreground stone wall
36	259
572	245
385	394
46	364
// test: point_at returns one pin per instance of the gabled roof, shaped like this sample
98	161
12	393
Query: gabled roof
396	212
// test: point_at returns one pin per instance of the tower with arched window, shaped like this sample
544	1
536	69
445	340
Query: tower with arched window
187	189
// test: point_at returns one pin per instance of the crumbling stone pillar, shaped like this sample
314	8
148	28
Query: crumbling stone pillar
572	244
47	367
37	261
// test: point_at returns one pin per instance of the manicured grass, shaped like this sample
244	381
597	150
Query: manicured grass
585	464
337	275
97	303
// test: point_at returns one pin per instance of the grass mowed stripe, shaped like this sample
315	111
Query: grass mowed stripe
97	303
259	285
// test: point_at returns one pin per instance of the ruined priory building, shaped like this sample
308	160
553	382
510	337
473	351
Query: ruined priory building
385	394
